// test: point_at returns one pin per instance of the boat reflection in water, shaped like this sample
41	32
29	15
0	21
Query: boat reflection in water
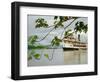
73	52
75	57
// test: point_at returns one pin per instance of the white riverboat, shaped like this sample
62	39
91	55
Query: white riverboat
72	43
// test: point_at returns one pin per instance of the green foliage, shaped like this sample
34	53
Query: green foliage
55	17
59	20
80	26
68	33
56	41
40	22
38	46
85	28
30	54
29	57
37	56
46	55
32	39
32	46
63	18
75	17
58	24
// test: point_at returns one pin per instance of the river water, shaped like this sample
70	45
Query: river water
59	57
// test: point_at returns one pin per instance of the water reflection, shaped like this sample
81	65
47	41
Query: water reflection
60	57
75	57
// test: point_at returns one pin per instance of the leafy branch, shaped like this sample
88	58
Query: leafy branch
56	25
67	26
55	42
80	26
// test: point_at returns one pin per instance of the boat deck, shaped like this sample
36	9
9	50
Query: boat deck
74	48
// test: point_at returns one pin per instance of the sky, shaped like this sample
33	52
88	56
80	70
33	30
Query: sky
41	32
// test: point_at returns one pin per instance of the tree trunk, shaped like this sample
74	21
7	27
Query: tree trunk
79	37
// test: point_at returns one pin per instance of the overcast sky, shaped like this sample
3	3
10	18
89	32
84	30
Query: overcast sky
41	32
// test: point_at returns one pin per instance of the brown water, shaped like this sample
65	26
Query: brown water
60	57
75	57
